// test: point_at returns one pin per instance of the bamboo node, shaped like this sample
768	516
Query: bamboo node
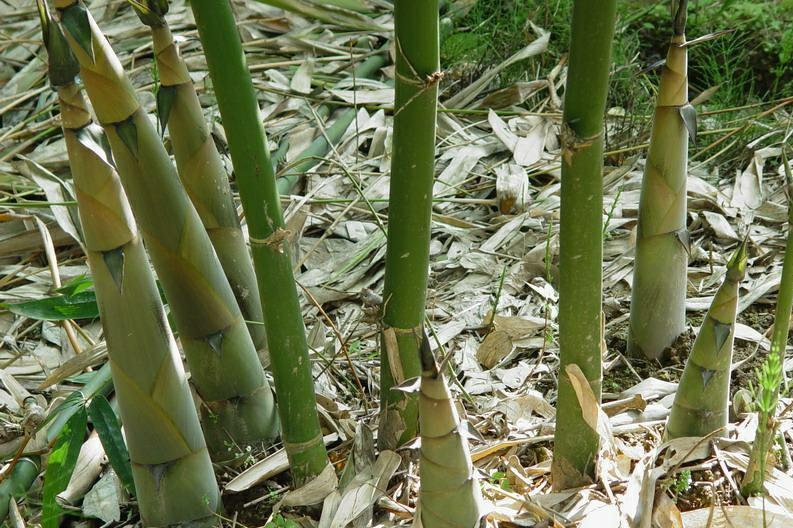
274	241
572	143
299	447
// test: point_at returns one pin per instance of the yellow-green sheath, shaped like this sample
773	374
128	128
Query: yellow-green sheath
201	170
449	496
173	474
409	214
658	292
581	244
286	338
701	401
237	402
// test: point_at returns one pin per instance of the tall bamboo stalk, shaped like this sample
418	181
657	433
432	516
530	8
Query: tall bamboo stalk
658	294
581	244
449	495
237	401
173	474
200	167
409	213
269	238
767	424
701	401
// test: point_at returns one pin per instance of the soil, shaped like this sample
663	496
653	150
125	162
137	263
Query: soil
619	378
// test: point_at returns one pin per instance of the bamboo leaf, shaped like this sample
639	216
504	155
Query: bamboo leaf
81	305
62	461
75	20
76	285
165	99
109	431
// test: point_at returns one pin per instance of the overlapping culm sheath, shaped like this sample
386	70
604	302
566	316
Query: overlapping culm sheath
173	474
701	402
237	404
658	293
450	494
199	165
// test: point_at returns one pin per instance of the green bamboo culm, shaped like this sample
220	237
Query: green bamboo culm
450	494
409	214
237	406
701	401
581	243
269	238
18	482
199	165
658	294
173	474
752	483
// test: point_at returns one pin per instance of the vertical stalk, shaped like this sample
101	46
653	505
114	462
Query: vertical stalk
199	165
173	474
409	213
658	295
767	425
581	243
269	238
700	405
238	404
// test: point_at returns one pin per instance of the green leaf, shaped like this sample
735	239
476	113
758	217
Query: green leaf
109	431
64	412
60	466
76	285
80	305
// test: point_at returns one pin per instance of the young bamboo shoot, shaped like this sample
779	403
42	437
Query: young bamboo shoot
238	404
701	401
658	295
200	167
449	495
173	474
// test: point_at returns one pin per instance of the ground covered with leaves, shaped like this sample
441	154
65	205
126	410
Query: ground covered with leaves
492	299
